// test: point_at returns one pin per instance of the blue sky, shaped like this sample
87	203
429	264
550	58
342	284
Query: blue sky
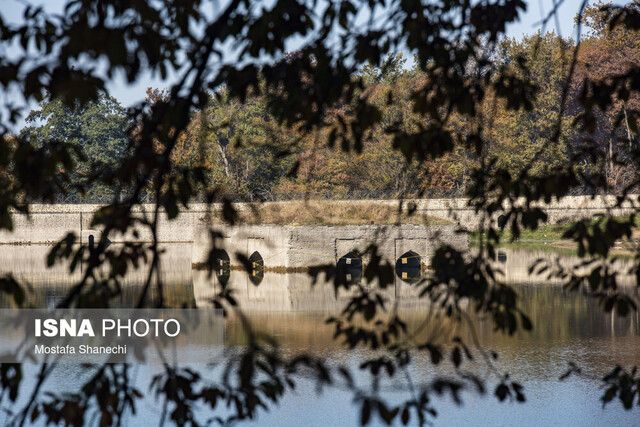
130	94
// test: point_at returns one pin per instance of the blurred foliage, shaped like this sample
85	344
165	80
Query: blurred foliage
516	123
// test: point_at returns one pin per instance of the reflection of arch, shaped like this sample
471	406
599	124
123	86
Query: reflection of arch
222	265
349	267
257	268
408	267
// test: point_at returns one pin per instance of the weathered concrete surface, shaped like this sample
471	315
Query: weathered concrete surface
293	247
570	208
23	251
187	240
515	264
48	223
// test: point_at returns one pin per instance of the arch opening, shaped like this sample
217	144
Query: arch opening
256	262
408	267
349	267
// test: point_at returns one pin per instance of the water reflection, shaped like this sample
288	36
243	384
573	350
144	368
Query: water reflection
28	264
175	295
257	268
222	265
288	307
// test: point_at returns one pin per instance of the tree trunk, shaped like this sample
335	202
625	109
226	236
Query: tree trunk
610	157
626	122
225	161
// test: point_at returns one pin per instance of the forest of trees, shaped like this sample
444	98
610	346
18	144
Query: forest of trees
247	153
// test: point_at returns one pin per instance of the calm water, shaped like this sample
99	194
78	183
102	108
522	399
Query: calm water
567	327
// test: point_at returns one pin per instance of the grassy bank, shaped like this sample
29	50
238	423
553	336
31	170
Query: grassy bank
550	238
332	213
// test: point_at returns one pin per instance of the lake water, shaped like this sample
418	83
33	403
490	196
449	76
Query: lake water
567	327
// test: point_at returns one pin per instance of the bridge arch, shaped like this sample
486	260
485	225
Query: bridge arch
349	267
409	267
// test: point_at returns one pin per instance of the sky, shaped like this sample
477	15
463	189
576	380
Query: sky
129	95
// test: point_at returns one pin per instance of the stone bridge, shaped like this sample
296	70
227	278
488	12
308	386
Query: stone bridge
186	240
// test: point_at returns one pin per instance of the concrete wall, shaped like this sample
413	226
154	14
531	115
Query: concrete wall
187	240
23	251
48	223
570	208
516	262
293	247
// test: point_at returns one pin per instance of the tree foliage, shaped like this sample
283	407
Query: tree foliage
522	117
96	130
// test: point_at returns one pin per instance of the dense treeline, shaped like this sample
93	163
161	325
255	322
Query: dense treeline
245	152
